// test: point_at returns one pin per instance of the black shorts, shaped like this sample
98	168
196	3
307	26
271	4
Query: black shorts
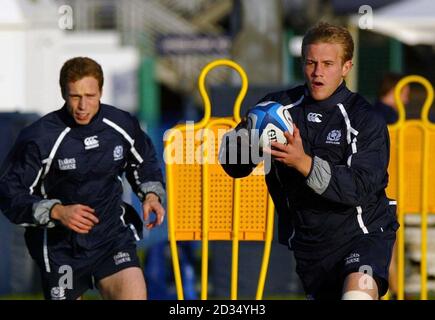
369	253
68	272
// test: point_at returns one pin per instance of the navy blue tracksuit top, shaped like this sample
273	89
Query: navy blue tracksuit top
344	193
57	161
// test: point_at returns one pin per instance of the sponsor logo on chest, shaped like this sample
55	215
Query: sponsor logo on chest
67	164
91	142
314	117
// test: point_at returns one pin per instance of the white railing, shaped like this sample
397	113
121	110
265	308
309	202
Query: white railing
142	22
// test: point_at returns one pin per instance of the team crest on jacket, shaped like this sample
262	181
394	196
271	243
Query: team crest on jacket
91	142
334	137
118	153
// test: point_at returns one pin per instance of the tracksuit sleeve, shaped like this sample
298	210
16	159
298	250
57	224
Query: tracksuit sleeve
235	152
19	181
143	168
363	176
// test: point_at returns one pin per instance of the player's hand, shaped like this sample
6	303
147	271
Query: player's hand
152	204
291	154
77	217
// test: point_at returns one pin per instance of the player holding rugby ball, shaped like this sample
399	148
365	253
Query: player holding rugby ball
328	178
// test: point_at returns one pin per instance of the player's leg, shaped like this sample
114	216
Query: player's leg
393	279
127	284
62	277
366	266
360	286
118	274
319	276
62	284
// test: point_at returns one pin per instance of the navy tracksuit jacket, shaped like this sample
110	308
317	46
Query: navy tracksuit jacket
344	193
57	161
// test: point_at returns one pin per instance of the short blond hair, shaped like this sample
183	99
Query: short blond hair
324	32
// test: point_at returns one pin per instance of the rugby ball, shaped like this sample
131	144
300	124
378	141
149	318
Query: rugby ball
268	121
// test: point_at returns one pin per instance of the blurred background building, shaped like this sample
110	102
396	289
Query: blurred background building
152	52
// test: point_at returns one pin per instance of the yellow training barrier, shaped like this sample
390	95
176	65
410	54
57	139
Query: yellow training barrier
204	203
412	152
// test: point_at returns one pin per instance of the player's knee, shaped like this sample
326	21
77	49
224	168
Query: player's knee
356	295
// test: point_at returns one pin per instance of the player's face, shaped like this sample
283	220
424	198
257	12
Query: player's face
83	99
324	69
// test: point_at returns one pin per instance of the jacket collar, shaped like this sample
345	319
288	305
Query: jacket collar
69	120
339	96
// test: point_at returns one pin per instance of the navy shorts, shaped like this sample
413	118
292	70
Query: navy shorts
371	253
68	272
